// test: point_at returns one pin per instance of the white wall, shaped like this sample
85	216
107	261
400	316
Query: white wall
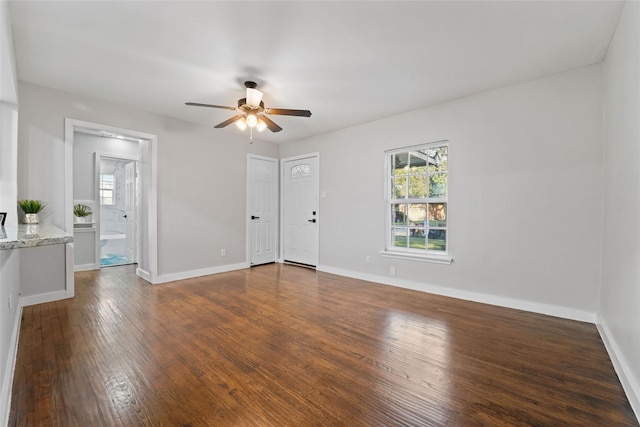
9	324
620	309
201	174
84	149
9	259
525	195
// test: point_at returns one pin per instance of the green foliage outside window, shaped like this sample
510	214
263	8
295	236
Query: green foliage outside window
419	182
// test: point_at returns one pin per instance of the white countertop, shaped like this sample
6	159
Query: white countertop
31	235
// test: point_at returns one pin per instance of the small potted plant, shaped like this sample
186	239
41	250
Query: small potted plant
81	212
31	208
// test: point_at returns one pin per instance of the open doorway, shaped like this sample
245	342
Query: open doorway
146	245
117	193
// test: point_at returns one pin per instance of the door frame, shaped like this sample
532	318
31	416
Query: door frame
282	191
148	267
248	204
99	156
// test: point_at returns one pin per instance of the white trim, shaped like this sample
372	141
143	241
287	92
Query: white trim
144	274
518	304
171	277
70	288
86	267
426	254
414	146
280	257
621	366
425	257
148	146
9	368
26	301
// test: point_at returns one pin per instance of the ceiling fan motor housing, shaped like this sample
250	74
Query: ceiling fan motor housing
243	106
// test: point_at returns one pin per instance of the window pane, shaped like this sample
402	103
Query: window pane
106	197
418	186
399	237
438	185
400	187
437	240
106	180
418	162
438	159
417	214
300	171
398	163
417	239
399	214
437	214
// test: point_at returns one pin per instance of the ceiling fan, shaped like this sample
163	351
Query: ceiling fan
253	112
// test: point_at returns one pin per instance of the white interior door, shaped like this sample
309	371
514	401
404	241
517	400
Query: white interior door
300	212
129	210
262	207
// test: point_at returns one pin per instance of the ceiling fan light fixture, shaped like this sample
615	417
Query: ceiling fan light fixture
251	112
242	123
254	97
252	120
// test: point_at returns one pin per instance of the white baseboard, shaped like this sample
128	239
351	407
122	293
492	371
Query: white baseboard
86	267
144	274
9	369
535	307
163	278
42	298
620	364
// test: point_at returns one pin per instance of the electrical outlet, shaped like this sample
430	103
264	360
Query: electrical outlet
223	252
392	270
367	259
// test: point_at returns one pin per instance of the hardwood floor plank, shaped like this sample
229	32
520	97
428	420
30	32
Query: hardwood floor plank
280	345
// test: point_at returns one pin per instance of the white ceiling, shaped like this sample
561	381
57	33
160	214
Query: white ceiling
349	62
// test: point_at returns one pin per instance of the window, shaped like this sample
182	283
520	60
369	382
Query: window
417	199
107	186
300	171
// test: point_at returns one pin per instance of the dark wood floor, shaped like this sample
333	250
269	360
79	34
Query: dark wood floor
287	346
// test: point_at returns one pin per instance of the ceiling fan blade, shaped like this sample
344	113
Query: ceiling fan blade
271	124
195	104
228	122
288	112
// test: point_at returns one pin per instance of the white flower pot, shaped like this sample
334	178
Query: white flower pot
31	219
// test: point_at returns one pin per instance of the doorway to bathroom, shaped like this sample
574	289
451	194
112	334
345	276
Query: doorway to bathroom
83	142
117	190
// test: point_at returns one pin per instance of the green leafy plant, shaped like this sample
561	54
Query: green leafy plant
81	210
29	206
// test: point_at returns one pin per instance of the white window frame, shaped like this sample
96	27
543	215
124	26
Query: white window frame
428	255
112	190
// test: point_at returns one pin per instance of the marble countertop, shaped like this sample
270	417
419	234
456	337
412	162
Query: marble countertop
31	235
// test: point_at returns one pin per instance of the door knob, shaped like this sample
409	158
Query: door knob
312	220
255	217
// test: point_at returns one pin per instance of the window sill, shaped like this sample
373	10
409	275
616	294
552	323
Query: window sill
437	259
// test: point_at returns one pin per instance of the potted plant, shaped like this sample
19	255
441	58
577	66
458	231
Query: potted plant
31	208
81	212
